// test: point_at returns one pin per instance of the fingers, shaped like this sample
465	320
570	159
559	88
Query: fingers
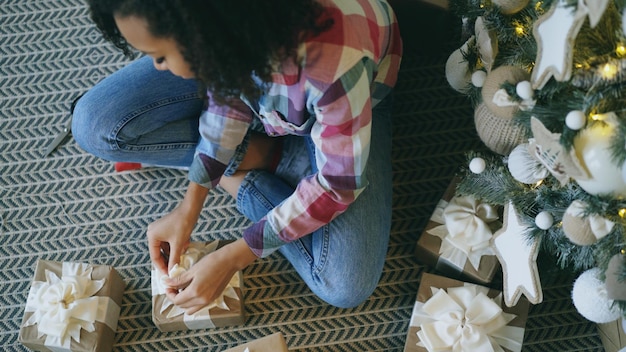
156	256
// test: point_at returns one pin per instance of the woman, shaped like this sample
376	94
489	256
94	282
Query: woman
294	122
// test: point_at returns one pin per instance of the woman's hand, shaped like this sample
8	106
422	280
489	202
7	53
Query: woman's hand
168	237
205	281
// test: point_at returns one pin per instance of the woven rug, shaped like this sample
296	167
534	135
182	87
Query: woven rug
70	206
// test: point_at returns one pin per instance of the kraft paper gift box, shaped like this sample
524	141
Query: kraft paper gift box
612	335
227	310
271	343
455	240
72	307
449	312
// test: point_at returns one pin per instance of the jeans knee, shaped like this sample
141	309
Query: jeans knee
88	127
345	295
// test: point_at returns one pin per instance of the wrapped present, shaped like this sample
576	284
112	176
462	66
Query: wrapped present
226	310
271	343
613	335
451	315
72	307
456	240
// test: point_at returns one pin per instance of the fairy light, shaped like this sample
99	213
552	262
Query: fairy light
620	50
622	213
599	117
609	71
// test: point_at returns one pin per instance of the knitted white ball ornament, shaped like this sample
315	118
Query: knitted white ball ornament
590	298
578	230
499	134
493	84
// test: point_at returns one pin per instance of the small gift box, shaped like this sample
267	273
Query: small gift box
456	240
72	307
451	315
271	343
613	335
226	310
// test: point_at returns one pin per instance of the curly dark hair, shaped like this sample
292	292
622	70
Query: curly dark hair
223	41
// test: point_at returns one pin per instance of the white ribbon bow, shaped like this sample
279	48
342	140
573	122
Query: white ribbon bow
62	306
191	256
465	319
502	99
466	231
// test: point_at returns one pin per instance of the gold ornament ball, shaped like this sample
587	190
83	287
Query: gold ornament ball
509	7
593	149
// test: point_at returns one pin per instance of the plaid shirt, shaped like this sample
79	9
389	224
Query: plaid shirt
329	94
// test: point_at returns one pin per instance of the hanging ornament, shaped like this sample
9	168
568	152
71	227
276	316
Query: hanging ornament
518	257
477	165
544	220
590	298
545	146
575	120
582	229
509	7
593	150
524	168
594	9
555	33
487	43
499	134
496	98
616	288
458	72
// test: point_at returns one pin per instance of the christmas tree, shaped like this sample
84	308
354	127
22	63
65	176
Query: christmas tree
547	80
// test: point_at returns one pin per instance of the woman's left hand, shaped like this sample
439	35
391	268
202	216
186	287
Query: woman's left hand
205	281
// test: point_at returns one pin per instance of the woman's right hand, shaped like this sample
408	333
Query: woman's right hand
169	236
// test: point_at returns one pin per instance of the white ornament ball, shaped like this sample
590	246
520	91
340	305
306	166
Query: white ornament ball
590	298
478	78
544	220
524	90
477	165
593	149
575	120
524	168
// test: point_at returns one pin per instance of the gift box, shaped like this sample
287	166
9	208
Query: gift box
612	335
226	310
271	343
449	314
456	240
72	307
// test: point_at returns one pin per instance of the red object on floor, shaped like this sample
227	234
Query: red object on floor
120	166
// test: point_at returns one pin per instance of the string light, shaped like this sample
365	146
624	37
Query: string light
609	71
600	117
620	50
622	213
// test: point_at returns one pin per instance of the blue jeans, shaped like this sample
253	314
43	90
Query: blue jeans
143	115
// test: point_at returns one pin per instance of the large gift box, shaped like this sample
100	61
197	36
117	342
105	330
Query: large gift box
451	315
456	240
72	307
612	335
271	343
226	310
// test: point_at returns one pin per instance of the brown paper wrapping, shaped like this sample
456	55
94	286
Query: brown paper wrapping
271	343
427	252
612	335
219	317
424	293
100	340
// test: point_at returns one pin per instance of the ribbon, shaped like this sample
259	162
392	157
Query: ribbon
502	99
63	306
465	231
202	318
465	319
